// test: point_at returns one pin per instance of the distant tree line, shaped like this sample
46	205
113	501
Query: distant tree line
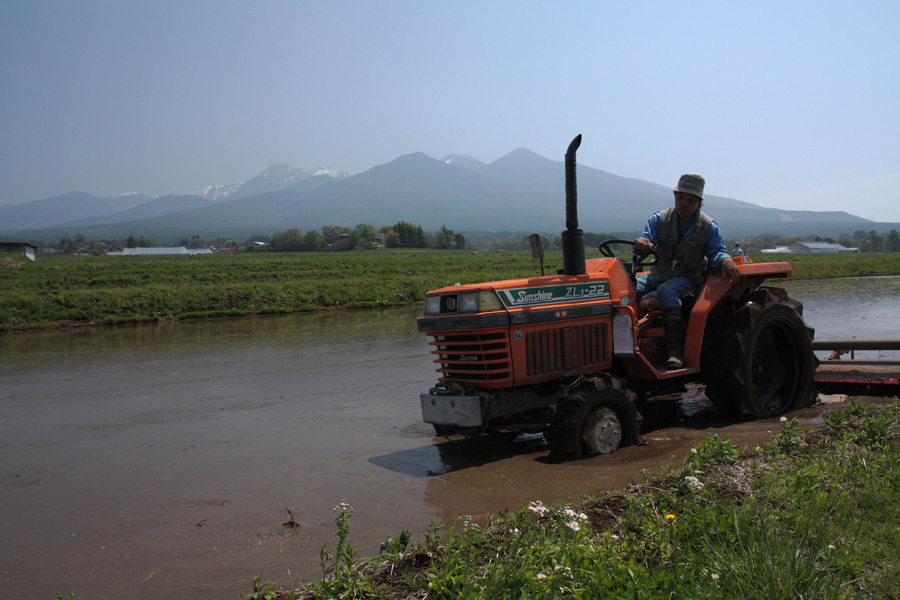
866	241
332	238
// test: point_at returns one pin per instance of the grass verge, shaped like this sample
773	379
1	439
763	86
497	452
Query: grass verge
814	513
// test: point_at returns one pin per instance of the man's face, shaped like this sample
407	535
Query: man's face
686	205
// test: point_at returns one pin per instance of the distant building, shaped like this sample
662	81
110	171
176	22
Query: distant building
165	251
25	248
154	251
776	250
819	248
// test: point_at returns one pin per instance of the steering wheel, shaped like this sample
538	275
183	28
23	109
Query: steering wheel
637	259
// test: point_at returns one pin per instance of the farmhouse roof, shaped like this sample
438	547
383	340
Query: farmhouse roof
17	245
153	251
820	245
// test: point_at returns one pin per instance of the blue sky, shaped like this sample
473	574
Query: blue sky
788	104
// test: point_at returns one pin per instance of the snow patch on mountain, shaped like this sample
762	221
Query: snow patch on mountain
323	170
219	192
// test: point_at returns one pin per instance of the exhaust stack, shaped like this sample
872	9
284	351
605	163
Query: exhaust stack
572	237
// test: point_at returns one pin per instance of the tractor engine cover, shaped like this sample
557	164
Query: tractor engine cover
525	332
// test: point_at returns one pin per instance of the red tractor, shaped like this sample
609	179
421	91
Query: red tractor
571	354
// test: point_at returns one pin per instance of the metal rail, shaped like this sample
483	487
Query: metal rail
840	347
849	345
857	376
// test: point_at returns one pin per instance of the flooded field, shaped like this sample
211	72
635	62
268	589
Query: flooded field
154	462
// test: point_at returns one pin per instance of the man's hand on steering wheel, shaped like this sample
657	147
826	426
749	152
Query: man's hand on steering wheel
639	253
642	245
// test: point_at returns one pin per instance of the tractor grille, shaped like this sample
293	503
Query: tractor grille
565	348
473	357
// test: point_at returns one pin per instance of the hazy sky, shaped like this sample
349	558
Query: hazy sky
791	104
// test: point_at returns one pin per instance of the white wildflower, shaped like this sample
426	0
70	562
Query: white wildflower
538	508
574	526
567	571
693	483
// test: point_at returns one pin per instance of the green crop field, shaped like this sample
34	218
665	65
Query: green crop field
63	290
58	291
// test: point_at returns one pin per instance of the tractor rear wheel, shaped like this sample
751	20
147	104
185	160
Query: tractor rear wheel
763	366
596	417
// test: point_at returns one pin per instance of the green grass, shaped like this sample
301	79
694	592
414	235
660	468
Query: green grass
58	291
814	513
845	264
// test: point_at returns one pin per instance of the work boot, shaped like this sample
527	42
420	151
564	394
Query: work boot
674	338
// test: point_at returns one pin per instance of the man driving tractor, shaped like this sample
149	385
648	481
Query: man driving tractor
687	242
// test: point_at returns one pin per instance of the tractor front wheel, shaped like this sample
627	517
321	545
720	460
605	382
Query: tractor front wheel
596	417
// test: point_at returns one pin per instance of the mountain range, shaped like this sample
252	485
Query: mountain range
521	191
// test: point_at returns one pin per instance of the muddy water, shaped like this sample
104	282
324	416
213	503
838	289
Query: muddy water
155	462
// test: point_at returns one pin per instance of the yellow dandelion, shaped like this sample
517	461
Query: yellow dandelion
669	517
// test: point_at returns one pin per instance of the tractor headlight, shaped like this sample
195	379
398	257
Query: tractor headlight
488	301
466	302
432	305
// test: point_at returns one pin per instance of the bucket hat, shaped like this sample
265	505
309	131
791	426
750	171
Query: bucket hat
690	183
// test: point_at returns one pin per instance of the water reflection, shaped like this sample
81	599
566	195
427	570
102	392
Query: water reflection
333	330
456	453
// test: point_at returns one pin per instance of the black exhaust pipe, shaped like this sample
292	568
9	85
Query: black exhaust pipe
572	237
